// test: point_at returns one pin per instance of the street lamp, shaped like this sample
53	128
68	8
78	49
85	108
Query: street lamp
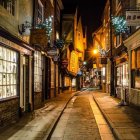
95	51
84	63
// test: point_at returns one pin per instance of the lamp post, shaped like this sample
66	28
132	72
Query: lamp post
112	93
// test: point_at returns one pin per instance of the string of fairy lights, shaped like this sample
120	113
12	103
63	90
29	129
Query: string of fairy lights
119	24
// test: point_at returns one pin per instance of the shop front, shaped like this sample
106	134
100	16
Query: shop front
133	45
122	77
42	78
15	82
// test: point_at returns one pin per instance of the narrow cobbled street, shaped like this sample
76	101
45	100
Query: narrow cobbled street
78	121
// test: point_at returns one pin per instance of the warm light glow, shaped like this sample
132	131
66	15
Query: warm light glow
95	51
84	63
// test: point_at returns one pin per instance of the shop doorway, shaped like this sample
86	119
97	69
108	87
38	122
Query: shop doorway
47	78
24	77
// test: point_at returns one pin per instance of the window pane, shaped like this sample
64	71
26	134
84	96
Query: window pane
15	90
4	53
4	66
1	92
1	66
4	92
8	67
0	79
8	91
8	54
1	54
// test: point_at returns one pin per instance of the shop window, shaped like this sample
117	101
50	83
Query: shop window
8	73
119	76
122	75
37	72
8	5
135	71
125	74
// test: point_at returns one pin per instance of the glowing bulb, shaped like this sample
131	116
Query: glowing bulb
95	51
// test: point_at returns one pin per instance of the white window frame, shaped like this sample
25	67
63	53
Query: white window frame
8	73
41	12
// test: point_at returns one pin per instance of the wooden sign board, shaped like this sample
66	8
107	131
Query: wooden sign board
38	37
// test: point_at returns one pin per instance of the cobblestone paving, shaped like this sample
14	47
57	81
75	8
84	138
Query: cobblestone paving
79	122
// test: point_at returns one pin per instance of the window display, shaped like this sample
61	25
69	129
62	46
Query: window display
125	74
119	76
122	75
8	73
37	72
135	71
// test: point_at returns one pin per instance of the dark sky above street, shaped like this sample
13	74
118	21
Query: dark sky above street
91	12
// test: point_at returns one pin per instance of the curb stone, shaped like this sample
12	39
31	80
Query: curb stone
116	135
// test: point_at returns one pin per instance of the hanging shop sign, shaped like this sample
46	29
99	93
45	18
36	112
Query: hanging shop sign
102	60
38	37
56	58
64	63
52	51
133	18
94	66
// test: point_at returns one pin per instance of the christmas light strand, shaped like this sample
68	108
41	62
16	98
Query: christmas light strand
119	24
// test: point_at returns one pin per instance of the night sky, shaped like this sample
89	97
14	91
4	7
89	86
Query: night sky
91	12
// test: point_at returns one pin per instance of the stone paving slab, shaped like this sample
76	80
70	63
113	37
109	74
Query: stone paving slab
37	125
123	120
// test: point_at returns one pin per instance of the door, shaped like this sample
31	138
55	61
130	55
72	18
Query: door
24	83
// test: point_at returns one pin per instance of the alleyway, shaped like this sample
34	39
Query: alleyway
81	120
79	123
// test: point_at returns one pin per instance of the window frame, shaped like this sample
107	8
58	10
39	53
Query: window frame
10	6
40	12
9	78
135	71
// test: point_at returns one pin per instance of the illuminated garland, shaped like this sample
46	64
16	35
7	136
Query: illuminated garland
47	24
119	24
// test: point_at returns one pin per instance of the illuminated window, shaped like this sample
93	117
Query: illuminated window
135	69
8	5
8	73
122	75
37	72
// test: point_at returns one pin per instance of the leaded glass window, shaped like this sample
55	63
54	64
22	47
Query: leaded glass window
8	73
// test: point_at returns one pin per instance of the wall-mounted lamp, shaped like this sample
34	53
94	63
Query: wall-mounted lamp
24	29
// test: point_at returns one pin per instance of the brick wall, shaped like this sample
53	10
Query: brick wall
38	100
9	112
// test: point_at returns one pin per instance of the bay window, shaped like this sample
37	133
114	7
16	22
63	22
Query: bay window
8	73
